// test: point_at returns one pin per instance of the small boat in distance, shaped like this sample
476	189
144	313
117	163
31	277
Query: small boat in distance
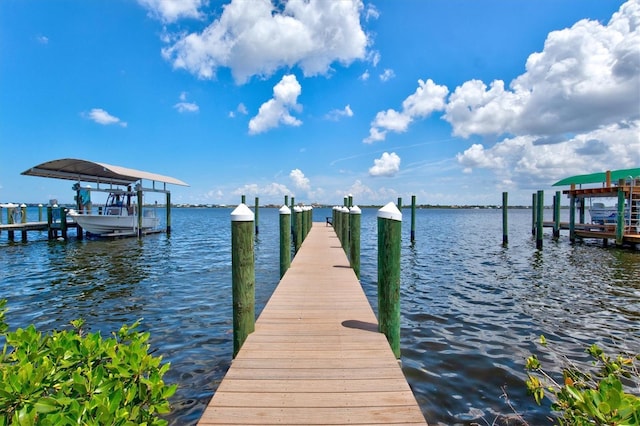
118	217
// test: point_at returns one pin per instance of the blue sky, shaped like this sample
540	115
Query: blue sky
454	101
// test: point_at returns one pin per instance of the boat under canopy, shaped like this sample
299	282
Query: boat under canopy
120	215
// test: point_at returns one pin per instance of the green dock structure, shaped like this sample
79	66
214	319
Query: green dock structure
316	355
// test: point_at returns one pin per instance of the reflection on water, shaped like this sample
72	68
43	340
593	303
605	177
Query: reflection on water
472	310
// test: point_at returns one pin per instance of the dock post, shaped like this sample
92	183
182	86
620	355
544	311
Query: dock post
298	228
139	194
413	218
257	206
293	219
620	222
23	214
50	222
39	212
540	220
354	244
286	201
505	227
534	211
572	218
305	222
285	238
243	199
242	275
556	216
168	213
336	223
350	197
400	204
63	222
10	234
389	235
345	230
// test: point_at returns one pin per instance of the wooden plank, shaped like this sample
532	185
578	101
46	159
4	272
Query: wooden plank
316	356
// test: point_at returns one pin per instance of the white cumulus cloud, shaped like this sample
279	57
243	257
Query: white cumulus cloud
299	180
259	37
101	116
427	98
386	165
337	114
277	109
172	10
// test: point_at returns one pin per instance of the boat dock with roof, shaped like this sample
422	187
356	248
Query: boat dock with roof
619	222
124	216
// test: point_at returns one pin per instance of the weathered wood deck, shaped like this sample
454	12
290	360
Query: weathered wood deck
316	356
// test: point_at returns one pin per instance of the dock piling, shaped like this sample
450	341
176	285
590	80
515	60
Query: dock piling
354	245
413	218
242	275
285	239
505	227
540	220
389	235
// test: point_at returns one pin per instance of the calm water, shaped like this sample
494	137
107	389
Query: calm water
471	310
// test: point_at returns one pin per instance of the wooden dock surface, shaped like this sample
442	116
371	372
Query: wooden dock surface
316	356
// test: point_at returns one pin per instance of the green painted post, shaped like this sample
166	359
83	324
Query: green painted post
534	212
354	244
345	230
39	212
581	209
505	223
242	275
556	216
337	227
23	214
168	212
50	230
293	219
10	234
413	218
305	219
350	198
540	219
257	205
400	204
63	222
345	202
389	235
298	227
285	239
620	223
140	213
572	218
243	199
286	201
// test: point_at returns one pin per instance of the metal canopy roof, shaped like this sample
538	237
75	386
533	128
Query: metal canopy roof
599	177
89	171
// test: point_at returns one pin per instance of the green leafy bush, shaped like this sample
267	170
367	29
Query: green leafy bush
68	377
589	398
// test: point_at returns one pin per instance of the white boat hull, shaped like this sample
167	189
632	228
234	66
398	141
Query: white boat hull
112	224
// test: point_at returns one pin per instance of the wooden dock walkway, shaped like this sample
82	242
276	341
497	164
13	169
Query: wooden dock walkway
316	356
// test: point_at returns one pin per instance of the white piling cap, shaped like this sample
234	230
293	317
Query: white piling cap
285	210
297	209
23	205
242	213
344	209
390	211
355	210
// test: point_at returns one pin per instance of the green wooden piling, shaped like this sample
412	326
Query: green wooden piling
293	219
556	215
505	222
350	199
10	234
139	194
354	243
168	212
620	223
540	220
286	201
305	222
400	204
298	227
389	235
345	230
63	222
243	199
242	275
572	218
50	230
413	218
534	212
23	216
257	208
285	239
336	222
